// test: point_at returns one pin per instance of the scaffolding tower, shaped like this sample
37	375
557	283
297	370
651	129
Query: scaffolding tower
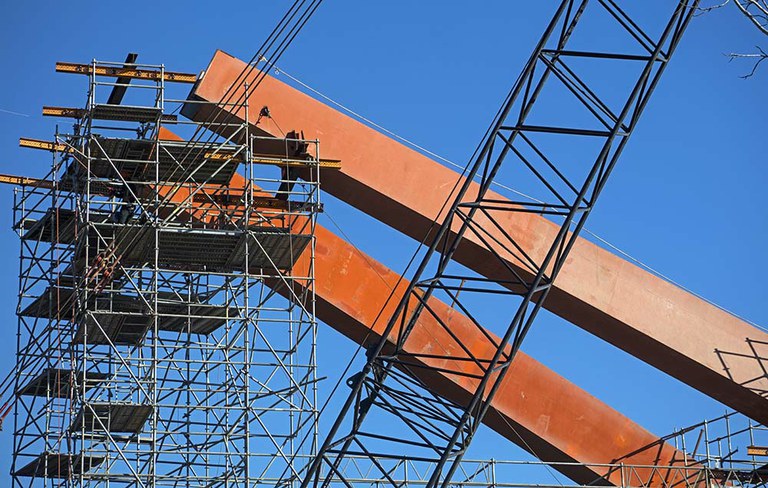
166	325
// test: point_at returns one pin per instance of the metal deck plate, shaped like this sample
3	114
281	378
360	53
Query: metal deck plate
129	157
118	328
203	318
269	248
53	465
134	159
181	161
124	318
112	417
55	302
58	225
220	250
57	381
125	113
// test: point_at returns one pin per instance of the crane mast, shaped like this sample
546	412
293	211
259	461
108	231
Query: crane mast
557	137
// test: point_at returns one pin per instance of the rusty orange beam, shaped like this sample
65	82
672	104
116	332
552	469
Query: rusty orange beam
536	408
114	71
657	322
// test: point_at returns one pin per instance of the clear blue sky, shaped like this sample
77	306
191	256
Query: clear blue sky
687	197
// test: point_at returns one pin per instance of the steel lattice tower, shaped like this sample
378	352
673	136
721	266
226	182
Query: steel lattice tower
166	304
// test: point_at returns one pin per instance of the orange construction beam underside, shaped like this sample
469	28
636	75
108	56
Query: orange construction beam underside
535	408
657	322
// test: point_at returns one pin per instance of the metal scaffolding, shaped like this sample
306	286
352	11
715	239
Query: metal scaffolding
166	331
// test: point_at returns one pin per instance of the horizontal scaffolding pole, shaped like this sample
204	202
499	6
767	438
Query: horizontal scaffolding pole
134	73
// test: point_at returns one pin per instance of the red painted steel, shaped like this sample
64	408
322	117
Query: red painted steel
663	325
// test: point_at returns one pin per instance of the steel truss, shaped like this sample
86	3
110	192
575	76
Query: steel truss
721	452
557	136
167	330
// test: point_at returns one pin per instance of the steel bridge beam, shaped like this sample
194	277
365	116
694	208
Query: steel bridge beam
535	408
655	321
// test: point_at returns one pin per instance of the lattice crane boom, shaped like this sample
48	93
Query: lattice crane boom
530	141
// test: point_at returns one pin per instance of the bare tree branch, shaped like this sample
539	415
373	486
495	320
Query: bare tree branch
761	57
756	11
704	10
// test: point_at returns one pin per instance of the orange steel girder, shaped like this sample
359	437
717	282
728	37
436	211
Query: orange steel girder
657	322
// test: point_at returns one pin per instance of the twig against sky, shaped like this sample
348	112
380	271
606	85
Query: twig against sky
756	11
760	56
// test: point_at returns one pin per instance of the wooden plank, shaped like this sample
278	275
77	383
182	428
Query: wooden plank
134	73
757	451
44	145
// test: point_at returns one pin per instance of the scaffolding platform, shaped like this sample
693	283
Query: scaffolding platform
194	318
125	318
58	225
269	248
57	381
113	318
97	187
134	160
125	113
110	111
55	300
202	249
128	321
53	465
123	418
118	328
51	304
